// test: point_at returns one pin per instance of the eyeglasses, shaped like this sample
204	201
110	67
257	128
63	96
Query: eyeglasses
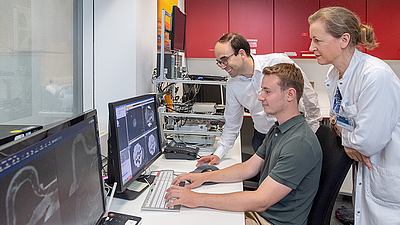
224	61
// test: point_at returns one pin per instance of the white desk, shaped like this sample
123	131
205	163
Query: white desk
188	216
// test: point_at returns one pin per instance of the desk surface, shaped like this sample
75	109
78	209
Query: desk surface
190	216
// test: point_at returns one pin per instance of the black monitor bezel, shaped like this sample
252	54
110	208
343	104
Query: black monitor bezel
114	162
174	31
10	149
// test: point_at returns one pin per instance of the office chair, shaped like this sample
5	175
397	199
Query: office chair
335	165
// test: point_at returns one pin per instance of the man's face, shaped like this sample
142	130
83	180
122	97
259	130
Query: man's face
271	97
228	61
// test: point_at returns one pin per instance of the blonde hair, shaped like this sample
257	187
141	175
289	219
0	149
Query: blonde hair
339	20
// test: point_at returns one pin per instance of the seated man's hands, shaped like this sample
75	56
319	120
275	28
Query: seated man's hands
183	196
210	159
195	179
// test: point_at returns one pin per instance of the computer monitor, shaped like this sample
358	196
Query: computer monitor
134	141
178	30
53	176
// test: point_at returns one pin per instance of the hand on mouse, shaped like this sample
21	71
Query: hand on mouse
194	179
210	159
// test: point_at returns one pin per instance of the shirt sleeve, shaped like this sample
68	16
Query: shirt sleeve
313	113
233	122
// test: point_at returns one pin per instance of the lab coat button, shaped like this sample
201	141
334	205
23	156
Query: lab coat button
359	183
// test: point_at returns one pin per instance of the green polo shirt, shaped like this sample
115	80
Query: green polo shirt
293	157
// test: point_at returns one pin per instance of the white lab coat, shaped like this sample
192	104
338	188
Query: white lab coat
371	96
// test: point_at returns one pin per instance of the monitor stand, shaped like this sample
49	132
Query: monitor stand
131	195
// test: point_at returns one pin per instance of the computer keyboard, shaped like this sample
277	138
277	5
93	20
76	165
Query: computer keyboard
155	197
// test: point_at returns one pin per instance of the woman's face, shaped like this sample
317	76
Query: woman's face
326	48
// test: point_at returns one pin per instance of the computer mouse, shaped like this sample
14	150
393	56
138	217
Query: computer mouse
205	168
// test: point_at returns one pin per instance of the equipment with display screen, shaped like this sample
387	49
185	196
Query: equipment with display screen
53	176
178	30
134	142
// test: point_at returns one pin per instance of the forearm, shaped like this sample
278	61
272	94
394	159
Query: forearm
233	122
228	137
237	202
237	172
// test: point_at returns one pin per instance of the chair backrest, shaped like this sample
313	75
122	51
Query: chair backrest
335	165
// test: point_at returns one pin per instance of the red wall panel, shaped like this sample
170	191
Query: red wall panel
206	22
253	19
291	26
384	17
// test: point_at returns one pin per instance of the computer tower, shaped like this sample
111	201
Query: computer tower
169	61
172	65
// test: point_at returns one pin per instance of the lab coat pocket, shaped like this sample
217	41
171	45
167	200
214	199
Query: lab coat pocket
384	184
349	111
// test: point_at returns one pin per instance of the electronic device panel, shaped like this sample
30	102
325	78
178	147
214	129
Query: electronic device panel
178	30
53	176
134	141
14	132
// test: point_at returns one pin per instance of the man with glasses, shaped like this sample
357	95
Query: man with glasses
232	52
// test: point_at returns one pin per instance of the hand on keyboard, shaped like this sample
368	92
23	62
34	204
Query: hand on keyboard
155	198
183	196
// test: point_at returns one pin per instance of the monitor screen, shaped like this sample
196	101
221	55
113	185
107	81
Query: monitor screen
178	30
134	139
55	176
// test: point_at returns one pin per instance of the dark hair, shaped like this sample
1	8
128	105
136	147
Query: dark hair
339	20
237	42
290	76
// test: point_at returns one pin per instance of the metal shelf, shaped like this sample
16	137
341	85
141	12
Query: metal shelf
193	115
188	81
209	133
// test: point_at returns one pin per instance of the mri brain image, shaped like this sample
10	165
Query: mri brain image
138	154
135	123
152	144
149	116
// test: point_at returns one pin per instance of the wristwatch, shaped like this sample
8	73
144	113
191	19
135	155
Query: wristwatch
334	129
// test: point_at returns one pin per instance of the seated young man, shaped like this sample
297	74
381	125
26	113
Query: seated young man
289	161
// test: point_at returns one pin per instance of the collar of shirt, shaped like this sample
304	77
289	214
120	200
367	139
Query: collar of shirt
290	123
257	70
334	73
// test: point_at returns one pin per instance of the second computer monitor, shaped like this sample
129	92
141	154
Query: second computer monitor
134	140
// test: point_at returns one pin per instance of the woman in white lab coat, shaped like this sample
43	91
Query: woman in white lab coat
364	94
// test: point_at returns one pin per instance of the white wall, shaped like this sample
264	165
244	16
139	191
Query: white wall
88	55
146	44
123	51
